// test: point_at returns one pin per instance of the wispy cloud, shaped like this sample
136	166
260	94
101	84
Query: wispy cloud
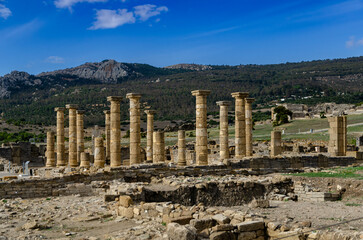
4	12
20	30
111	18
213	32
69	3
107	19
144	12
54	59
353	42
333	10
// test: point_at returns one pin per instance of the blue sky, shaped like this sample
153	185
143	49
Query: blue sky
45	35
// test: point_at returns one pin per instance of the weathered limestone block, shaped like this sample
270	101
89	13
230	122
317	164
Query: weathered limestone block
125	201
201	147
176	231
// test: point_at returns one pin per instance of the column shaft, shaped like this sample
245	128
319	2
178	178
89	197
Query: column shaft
159	147
107	133
149	135
85	161
80	135
181	148
201	146
99	153
72	149
249	125
60	137
223	129
240	124
50	154
135	137
276	146
115	145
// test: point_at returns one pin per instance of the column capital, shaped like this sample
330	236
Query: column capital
107	112
114	98
150	112
201	92
223	103
250	100
71	106
59	109
80	111
239	94
133	95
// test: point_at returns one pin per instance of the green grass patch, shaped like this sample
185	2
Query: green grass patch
349	172
353	204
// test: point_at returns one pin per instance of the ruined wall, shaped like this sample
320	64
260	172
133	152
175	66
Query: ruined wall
30	188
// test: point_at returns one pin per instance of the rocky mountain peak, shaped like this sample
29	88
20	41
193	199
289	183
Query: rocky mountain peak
107	71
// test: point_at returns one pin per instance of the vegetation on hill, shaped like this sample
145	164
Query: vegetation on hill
168	90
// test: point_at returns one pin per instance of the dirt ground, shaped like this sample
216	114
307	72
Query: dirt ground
75	217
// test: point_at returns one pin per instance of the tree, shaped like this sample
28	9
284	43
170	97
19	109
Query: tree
282	115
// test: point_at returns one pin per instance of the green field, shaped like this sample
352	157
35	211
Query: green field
296	129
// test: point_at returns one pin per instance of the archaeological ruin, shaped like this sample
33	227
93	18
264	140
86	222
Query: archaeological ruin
182	184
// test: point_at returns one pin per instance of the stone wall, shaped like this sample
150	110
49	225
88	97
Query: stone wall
19	153
30	188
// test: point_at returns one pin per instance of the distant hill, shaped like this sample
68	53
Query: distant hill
193	67
32	98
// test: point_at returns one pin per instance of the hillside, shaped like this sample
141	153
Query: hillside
32	98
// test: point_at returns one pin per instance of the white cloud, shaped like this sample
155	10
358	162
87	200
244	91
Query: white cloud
4	12
112	18
54	59
144	12
69	3
352	42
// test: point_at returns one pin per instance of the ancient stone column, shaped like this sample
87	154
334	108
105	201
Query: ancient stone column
276	146
115	149
181	148
223	129
135	137
80	134
85	162
107	133
337	136
61	161
50	154
149	134
72	149
240	124
99	153
249	149
201	146
158	147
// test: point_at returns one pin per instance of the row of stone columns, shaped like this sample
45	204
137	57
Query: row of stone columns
243	126
243	136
